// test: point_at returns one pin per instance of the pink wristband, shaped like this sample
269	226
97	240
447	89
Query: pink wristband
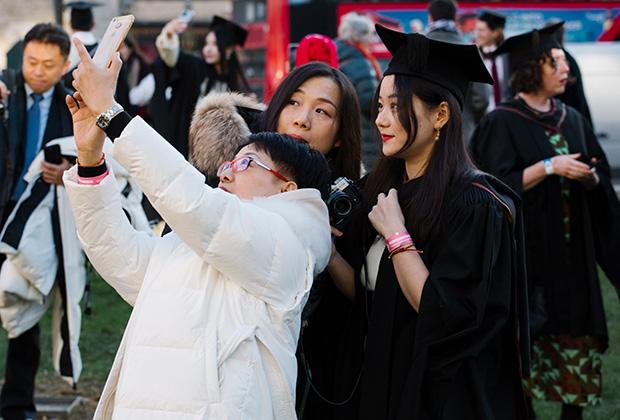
398	240
96	180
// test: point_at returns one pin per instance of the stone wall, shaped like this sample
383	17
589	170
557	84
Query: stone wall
17	17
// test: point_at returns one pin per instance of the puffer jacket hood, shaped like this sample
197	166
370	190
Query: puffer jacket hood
221	123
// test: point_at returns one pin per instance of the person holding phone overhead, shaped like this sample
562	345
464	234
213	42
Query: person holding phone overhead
181	78
217	301
36	115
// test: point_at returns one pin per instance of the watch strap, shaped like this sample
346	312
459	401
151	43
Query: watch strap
103	119
548	166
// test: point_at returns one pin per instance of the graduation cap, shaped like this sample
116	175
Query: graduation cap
82	14
451	66
530	45
228	33
493	19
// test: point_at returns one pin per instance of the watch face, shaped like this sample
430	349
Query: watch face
102	121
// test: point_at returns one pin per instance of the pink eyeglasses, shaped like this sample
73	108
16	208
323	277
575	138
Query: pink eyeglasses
242	163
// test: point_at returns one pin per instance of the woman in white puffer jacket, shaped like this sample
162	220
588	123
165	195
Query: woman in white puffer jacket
217	302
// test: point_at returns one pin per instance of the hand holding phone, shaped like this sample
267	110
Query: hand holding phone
52	154
96	86
112	38
593	163
186	16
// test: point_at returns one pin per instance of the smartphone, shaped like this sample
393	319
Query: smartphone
52	154
112	38
186	15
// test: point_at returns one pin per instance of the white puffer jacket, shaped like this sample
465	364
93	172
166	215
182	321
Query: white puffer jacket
217	302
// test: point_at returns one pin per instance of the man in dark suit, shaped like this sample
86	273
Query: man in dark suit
35	114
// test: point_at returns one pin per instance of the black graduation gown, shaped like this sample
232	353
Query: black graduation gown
324	323
507	141
459	357
172	118
322	343
122	85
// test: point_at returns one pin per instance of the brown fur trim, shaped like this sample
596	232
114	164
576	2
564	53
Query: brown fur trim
217	129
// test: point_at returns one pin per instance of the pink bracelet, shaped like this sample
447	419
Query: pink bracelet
96	180
397	240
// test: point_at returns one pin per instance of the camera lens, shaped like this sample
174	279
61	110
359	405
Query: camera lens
342	206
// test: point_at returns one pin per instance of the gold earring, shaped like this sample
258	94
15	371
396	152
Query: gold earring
437	133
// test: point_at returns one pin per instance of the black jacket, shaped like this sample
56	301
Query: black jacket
13	131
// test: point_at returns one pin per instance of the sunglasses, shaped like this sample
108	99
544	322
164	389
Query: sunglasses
242	163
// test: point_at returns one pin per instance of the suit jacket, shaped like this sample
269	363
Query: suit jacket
13	133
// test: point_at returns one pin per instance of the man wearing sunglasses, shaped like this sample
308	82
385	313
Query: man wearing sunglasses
217	302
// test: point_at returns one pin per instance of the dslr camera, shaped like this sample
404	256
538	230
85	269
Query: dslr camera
344	198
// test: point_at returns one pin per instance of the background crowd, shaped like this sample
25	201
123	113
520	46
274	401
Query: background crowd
449	292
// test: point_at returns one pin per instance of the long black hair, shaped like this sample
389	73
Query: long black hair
231	70
449	159
345	159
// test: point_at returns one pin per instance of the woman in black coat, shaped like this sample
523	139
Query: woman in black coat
547	152
317	104
433	256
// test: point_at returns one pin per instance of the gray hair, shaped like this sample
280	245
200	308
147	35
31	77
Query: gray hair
355	28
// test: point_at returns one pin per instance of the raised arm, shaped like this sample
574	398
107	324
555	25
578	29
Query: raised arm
167	42
249	244
253	246
118	252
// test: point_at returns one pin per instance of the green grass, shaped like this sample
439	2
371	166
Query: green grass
99	340
102	331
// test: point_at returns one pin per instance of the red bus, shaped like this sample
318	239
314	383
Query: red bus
276	24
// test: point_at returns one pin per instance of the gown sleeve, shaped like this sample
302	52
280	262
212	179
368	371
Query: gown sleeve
168	48
466	302
604	212
494	152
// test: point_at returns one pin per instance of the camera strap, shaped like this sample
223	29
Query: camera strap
304	360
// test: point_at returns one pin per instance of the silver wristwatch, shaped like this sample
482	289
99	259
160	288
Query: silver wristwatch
103	119
548	163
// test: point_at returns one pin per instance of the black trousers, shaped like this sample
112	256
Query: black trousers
22	362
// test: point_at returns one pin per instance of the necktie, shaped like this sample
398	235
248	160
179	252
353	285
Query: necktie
32	145
497	92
